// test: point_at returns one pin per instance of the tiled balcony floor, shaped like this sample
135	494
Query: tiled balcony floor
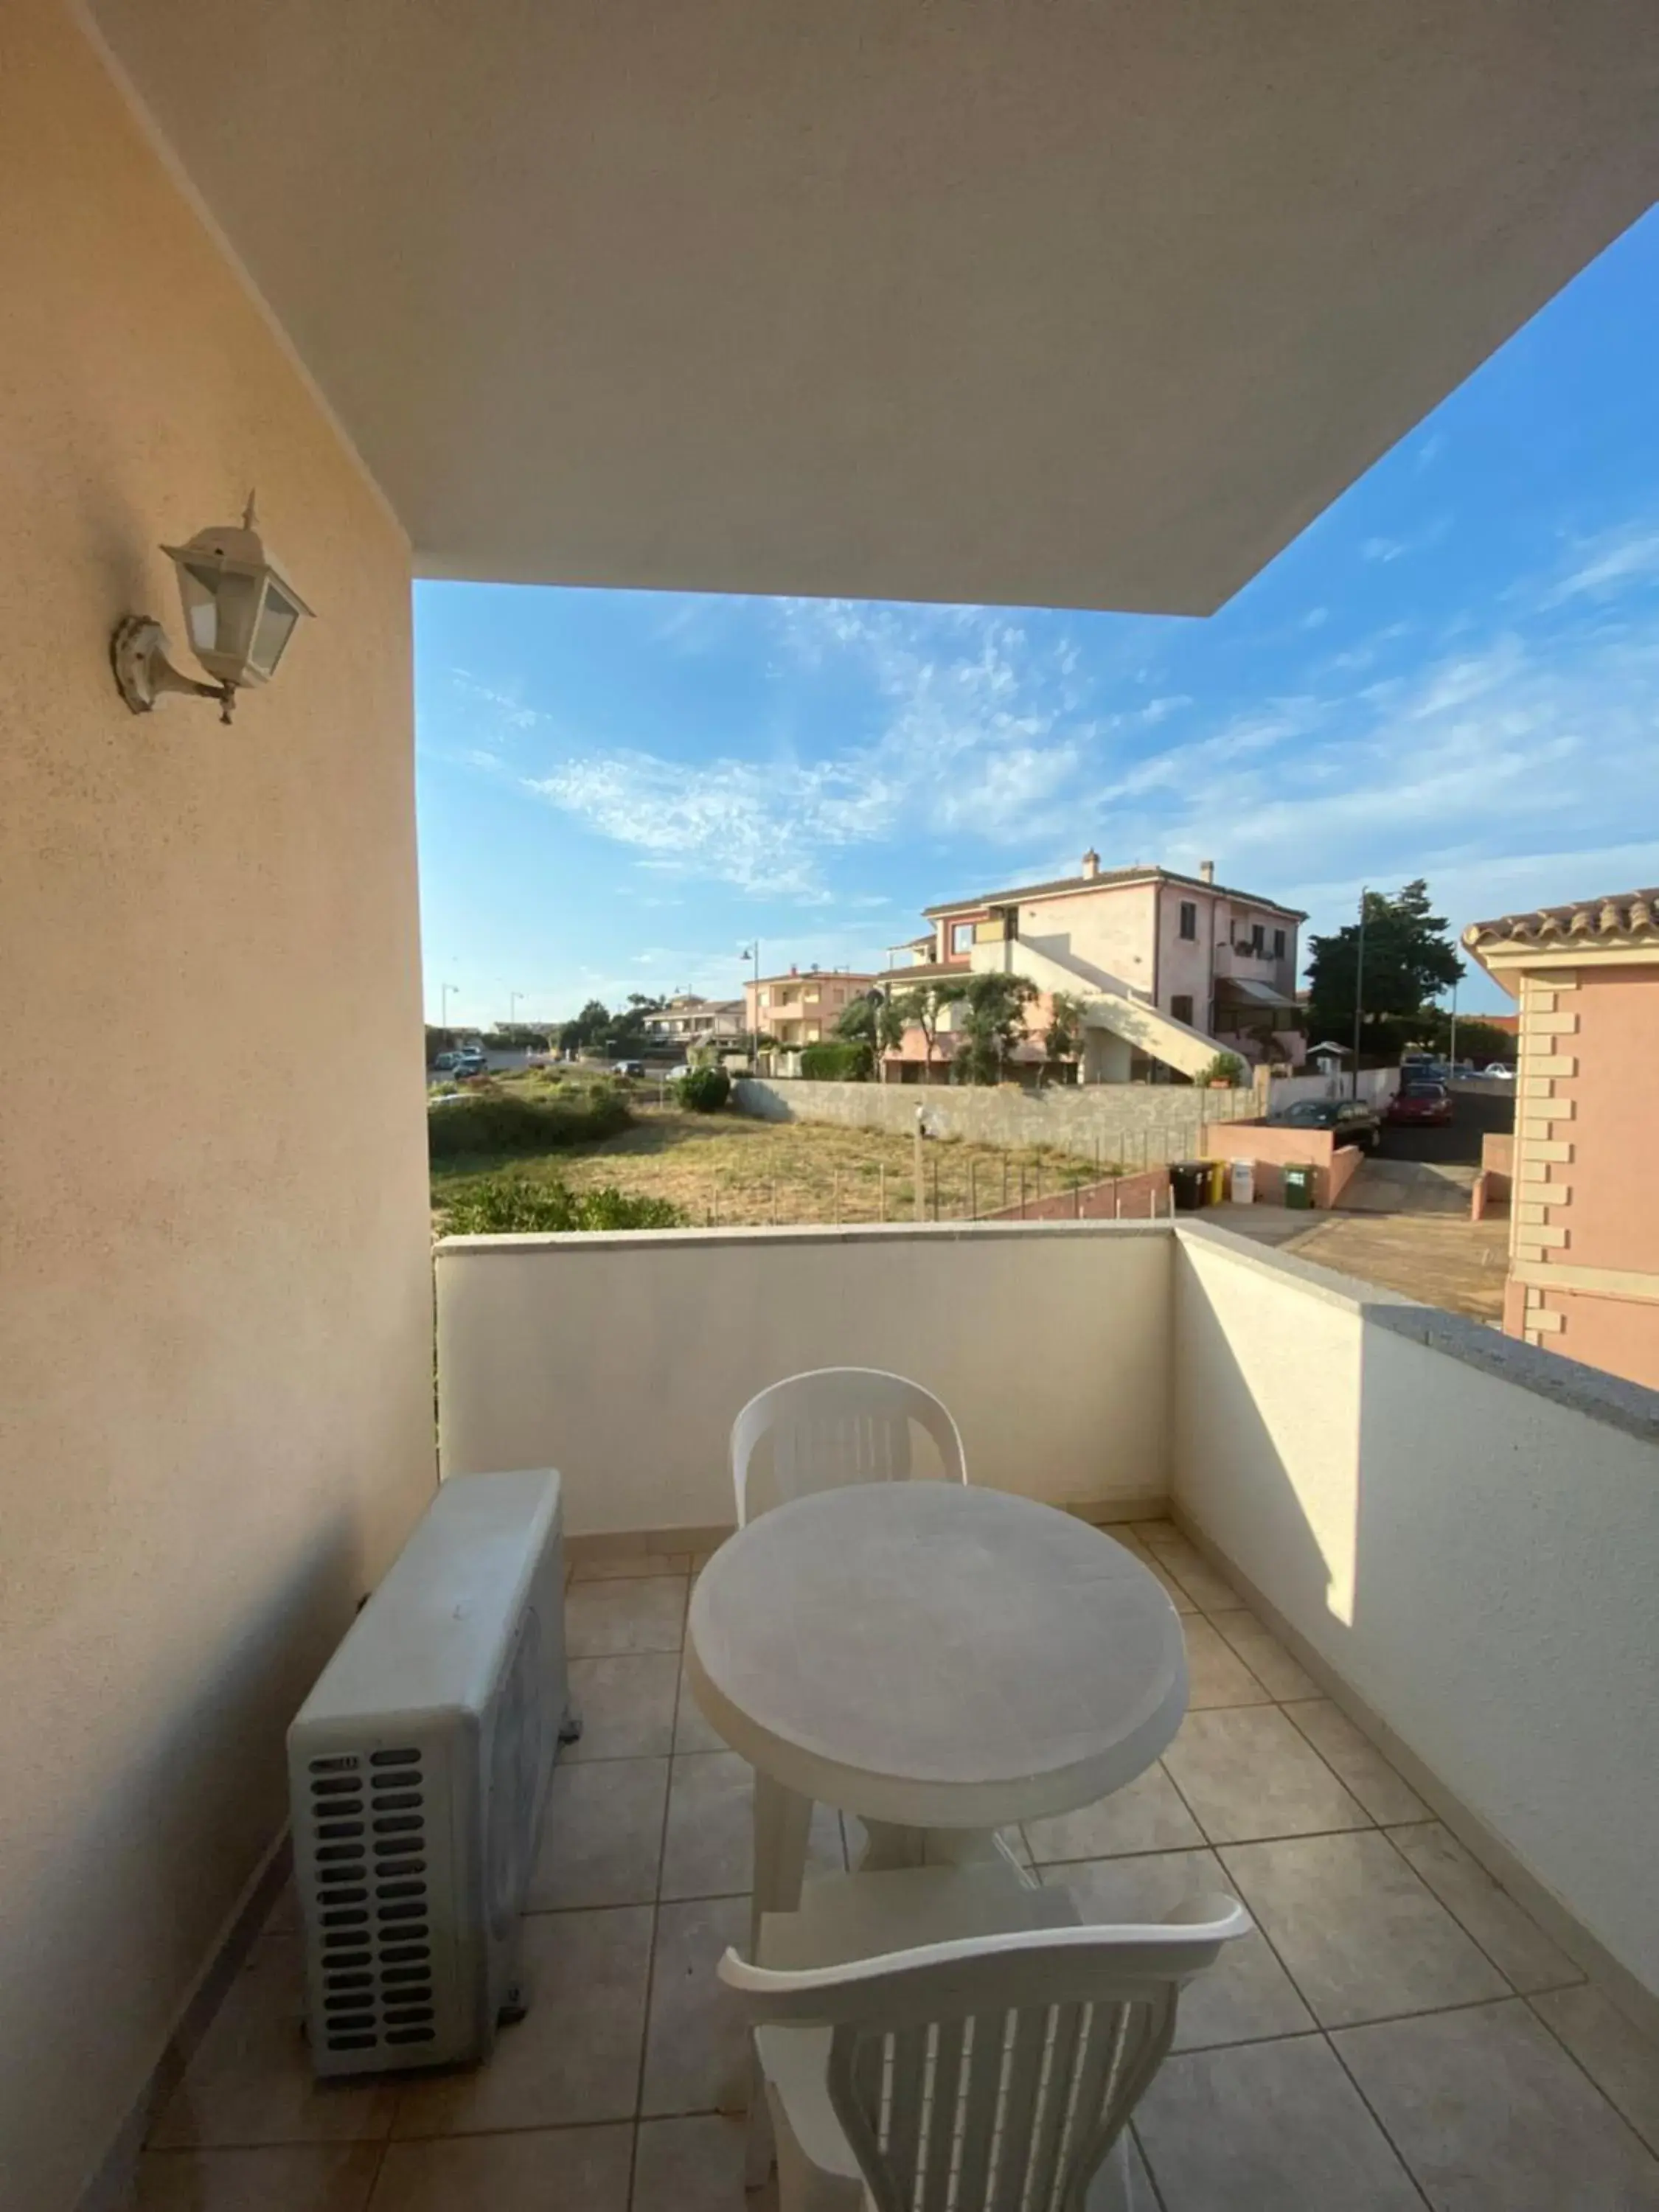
1398	2032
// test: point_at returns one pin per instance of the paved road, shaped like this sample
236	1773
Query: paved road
1403	1222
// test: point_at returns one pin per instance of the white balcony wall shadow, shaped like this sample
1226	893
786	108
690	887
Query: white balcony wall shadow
623	1360
1466	1530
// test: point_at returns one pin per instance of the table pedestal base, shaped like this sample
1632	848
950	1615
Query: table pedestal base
888	1847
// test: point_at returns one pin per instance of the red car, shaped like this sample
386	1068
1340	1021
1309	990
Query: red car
1420	1106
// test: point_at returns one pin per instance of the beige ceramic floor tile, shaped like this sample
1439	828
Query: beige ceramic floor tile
1146	1815
1362	1938
1194	1572
1215	1675
250	2081
1514	1942
1491	2115
551	2170
710	1846
1178	1596
691	1731
290	2177
695	2045
1359	1763
575	2057
1280	1675
1246	1772
695	2166
1620	2060
602	1838
629	1566
1267	2127
646	1614
626	1705
1245	1996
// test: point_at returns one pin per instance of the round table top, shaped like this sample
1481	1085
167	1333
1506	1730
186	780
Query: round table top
936	1655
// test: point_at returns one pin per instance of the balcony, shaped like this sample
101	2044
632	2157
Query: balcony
1415	1564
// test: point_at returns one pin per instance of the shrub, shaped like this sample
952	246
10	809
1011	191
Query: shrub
496	1121
704	1090
514	1205
1226	1067
840	1060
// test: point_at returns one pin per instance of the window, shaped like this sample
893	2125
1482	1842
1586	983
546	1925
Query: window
1181	1007
1189	919
962	937
1278	945
766	998
1258	939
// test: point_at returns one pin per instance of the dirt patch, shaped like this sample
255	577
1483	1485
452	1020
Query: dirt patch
734	1172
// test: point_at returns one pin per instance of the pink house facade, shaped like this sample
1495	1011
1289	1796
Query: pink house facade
1584	1262
1219	961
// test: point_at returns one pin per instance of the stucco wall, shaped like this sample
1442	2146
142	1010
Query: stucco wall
215	1380
1467	1529
545	1344
1132	1123
1114	930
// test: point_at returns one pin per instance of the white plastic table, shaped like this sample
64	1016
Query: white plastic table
937	1659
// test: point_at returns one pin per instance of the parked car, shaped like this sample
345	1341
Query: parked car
1352	1120
628	1067
1418	1105
1500	1068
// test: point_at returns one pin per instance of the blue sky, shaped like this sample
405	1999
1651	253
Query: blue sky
1453	673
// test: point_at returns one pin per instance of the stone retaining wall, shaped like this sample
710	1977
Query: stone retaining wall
1140	1125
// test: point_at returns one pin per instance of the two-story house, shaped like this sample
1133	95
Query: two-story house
1215	967
802	1007
685	1022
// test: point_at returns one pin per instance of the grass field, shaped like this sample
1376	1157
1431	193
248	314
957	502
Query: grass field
733	1172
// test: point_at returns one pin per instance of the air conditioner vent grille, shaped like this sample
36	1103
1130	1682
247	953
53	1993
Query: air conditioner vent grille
369	1899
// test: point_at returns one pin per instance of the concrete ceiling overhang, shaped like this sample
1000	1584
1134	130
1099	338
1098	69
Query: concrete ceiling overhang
1073	302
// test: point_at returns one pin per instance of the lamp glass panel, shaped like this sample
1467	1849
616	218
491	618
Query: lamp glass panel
199	587
275	625
239	611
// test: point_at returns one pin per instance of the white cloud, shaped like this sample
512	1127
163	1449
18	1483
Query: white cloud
1380	549
1607	566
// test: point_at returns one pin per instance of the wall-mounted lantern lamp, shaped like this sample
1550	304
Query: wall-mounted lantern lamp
240	613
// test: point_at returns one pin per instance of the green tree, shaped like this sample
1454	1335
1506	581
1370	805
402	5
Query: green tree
920	1007
994	1023
1409	959
877	1019
587	1030
1063	1040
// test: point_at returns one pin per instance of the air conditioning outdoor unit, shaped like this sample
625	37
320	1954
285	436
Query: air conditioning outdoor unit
417	1772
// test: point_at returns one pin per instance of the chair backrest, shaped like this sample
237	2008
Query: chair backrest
993	2074
836	1425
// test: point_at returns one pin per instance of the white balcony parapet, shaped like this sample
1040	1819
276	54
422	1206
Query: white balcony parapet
1458	1534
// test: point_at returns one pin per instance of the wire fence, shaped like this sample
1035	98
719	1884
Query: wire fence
961	1190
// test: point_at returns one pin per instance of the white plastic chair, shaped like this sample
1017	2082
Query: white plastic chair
839	1424
983	2073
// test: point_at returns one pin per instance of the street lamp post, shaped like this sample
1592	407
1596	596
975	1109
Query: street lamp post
512	998
751	951
444	990
1359	987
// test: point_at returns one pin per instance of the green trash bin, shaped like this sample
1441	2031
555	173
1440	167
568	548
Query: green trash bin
1299	1186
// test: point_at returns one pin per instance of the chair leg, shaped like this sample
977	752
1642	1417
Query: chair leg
760	2148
